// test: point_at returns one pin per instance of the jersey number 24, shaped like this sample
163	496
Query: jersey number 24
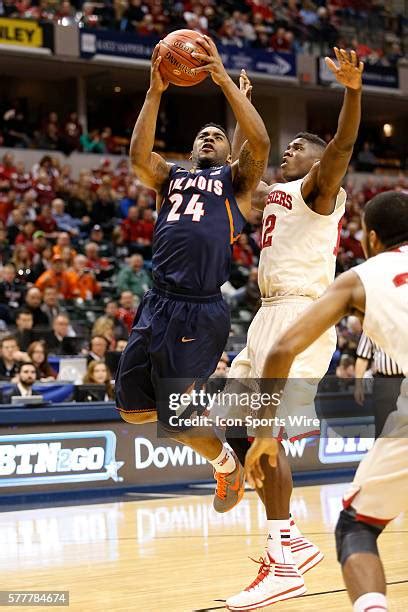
194	207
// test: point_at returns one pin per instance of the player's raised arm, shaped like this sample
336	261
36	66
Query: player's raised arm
324	180
258	198
239	138
248	169
150	167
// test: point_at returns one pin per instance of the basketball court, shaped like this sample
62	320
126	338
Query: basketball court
173	553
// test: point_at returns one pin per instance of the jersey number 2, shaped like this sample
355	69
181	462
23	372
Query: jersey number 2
193	208
269	226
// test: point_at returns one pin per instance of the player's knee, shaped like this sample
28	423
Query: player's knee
353	536
138	418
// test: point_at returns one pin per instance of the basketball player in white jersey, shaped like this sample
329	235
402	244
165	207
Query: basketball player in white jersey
301	226
377	292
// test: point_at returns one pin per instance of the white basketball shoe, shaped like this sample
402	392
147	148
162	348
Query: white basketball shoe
274	582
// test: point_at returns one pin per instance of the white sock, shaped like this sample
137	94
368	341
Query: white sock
225	462
374	602
278	542
294	530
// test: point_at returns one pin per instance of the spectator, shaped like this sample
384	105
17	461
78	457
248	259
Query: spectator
58	340
24	324
120	330
98	348
92	142
9	360
121	344
56	277
71	134
129	200
133	277
98	374
366	159
63	242
82	280
64	221
100	266
51	307
38	355
33	300
44	188
22	260
15	128
104	326
242	253
221	371
345	369
96	236
351	241
21	180
11	292
128	309
26	378
103	211
46	222
138	233
5	249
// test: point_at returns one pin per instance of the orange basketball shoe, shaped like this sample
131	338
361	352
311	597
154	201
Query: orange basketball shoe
230	488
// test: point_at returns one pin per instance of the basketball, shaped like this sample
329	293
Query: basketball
177	63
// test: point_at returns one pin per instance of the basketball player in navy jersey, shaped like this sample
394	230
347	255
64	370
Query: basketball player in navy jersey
182	324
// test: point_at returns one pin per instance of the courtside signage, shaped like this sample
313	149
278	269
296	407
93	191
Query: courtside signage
373	76
21	33
126	45
60	457
342	442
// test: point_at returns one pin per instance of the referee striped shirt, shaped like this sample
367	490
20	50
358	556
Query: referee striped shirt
367	349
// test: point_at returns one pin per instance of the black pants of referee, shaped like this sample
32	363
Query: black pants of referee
385	393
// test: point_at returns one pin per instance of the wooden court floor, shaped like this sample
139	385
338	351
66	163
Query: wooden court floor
175	554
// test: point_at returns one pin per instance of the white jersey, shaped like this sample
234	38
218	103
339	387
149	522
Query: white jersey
299	246
385	280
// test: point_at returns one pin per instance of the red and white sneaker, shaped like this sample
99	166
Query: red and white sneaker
305	554
274	582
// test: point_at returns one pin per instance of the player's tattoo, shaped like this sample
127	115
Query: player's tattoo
250	170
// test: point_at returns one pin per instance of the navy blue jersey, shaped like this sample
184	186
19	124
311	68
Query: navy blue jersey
198	222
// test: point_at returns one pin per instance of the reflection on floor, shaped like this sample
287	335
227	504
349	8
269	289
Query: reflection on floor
175	554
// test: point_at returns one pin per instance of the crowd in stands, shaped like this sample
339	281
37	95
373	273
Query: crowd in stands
370	26
54	133
75	261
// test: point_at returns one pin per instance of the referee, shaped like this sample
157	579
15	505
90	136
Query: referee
387	380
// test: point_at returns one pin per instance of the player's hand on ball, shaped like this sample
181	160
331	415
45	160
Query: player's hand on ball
349	69
245	84
253	469
213	63
157	82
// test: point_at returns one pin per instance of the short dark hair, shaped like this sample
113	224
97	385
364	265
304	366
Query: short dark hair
219	127
21	311
313	138
387	215
26	363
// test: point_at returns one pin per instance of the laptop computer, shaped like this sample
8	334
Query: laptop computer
72	369
31	400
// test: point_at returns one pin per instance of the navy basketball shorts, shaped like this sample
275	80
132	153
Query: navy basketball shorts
175	345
